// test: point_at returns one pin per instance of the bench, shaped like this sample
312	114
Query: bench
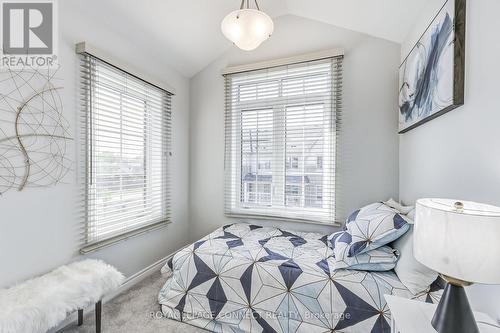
42	303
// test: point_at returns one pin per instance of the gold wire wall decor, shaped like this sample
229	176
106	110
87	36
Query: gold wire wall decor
34	134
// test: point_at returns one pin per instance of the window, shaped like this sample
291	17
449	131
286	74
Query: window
281	129
126	143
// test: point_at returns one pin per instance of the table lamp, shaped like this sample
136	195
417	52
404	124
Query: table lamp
461	241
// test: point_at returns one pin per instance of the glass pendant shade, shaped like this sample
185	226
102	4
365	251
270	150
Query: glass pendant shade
247	28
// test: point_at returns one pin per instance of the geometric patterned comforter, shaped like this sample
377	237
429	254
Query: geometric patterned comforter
247	278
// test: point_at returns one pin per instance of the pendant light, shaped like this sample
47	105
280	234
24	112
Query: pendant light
246	27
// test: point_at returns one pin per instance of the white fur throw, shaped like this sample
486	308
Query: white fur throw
41	303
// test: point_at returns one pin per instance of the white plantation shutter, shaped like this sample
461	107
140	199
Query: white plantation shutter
281	128
125	144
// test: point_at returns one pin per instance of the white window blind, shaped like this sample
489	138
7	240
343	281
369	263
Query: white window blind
125	139
281	128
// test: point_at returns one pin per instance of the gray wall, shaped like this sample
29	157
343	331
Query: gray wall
369	156
458	155
39	227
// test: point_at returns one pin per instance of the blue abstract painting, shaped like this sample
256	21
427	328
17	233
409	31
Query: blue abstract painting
431	77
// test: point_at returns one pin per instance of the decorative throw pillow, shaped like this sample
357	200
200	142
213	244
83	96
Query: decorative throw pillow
415	276
382	259
367	229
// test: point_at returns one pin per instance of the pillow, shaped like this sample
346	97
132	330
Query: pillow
415	276
399	207
339	238
351	218
382	259
369	228
411	216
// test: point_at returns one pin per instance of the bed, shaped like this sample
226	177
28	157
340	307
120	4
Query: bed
248	278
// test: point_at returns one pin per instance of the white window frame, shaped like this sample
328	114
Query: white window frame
90	242
279	209
280	176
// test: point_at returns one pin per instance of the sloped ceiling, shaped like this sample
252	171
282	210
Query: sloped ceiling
186	33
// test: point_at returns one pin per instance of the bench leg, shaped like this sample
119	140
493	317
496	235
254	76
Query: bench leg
80	317
98	308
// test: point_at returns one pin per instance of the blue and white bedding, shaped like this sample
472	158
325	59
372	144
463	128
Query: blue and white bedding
246	278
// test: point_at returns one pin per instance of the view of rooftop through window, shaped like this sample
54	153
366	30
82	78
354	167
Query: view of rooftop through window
304	151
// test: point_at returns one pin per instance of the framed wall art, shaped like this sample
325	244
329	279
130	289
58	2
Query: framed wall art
432	76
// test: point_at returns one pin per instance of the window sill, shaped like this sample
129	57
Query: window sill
282	219
95	246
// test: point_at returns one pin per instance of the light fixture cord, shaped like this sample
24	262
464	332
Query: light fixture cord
248	4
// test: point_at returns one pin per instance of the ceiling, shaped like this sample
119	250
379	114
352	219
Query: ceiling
187	32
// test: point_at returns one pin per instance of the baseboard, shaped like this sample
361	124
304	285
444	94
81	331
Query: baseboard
129	283
138	277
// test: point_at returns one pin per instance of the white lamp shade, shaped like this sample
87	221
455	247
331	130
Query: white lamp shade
459	243
247	28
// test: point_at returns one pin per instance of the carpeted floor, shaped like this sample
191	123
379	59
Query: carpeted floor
136	310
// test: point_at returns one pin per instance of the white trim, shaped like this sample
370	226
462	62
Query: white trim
99	245
129	283
337	52
85	47
138	277
250	216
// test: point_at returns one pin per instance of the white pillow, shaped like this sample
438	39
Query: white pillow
411	215
399	207
415	276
